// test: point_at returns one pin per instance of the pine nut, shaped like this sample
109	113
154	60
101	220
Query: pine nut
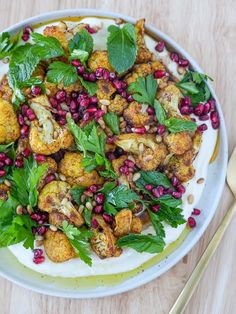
136	176
62	177
29	209
19	210
89	206
200	181
105	102
7	182
190	198
53	228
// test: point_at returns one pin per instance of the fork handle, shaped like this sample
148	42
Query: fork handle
191	284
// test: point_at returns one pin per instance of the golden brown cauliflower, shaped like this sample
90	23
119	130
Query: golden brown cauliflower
9	127
148	154
59	32
104	90
55	196
98	59
5	90
123	222
181	166
170	97
136	115
3	192
70	167
117	105
46	135
57	246
103	241
136	226
56	219
143	55
178	143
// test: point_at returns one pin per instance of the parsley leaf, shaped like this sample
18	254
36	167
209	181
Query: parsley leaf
144	89
79	239
81	41
160	112
7	45
76	193
122	47
4	147
142	243
113	122
60	72
157	225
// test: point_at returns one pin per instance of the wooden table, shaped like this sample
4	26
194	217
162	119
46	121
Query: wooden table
207	30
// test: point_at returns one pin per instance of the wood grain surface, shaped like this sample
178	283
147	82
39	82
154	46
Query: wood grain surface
207	30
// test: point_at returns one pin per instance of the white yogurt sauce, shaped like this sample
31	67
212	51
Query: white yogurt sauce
129	259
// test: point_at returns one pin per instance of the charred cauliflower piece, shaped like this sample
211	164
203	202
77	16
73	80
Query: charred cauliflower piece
46	135
170	97
136	115
99	59
59	32
103	240
57	247
144	55
117	105
181	166
56	219
178	143
55	196
70	167
9	127
136	226
5	90
105	90
123	222
3	192
148	154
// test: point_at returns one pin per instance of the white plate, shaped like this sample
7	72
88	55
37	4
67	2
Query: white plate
11	269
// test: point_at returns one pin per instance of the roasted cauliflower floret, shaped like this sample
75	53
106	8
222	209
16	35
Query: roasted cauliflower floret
136	115
55	196
5	90
123	222
117	105
3	192
136	226
103	240
9	127
143	55
59	32
170	97
57	246
56	219
181	166
150	159
178	143
46	135
70	167
99	59
105	90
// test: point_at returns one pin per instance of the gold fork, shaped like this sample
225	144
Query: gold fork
190	286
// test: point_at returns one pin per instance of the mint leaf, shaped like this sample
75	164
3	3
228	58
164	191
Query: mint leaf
142	243
157	225
154	178
113	122
60	72
91	87
121	196
76	193
175	125
4	147
81	41
189	87
169	200
81	55
144	89
160	112
122	47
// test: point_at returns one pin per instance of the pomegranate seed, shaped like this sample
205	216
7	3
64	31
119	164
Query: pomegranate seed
34	230
212	103
36	90
111	156
25	37
117	84
183	62
2	173
19	163
62	121
214	116
186	110
107	218
37	252
205	117
176	194
99	114
53	102
130	98
61	95
196	212
191	222
168	191
98	209
112	76
26	152
93	100
158	192
174	181
215	125
161	129
32	117
24	108
39	260
181	189
80	69
49	178
62	113
28	29
29	112
92	77
73	104
86	76
198	111
207	108
2	156
24	130
148	187
99	72
92	110
150	111
140	130
155	208
35	217
75	117
21	119
86	116
202	127
100	198
160	46
41	229
90	29
40	222
129	163
74	95
75	62
84	103
94	223
39	158
93	188
174	57
1	164
124	170
106	75
124	94
159	74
